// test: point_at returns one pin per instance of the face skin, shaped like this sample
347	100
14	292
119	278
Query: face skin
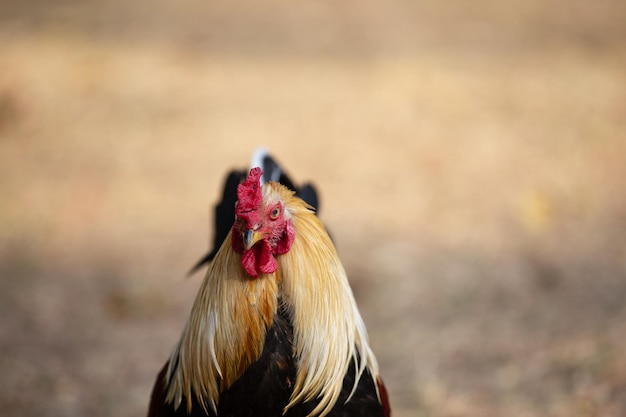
270	226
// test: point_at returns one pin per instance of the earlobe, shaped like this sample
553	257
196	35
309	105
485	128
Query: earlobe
286	240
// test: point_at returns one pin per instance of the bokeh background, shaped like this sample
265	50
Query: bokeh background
471	160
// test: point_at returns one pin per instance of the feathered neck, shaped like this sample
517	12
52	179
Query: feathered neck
226	329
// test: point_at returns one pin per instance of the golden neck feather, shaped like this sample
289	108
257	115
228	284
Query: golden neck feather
226	329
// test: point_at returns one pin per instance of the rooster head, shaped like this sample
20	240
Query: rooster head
262	227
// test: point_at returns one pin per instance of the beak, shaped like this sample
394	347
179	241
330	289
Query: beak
250	237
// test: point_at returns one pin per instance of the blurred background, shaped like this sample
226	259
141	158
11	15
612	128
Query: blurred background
470	156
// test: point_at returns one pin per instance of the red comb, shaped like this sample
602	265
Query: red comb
249	197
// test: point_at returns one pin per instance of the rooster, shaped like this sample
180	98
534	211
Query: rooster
274	329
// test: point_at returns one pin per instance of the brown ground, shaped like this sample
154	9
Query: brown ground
471	158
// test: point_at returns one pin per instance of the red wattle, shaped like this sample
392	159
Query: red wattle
248	261
259	260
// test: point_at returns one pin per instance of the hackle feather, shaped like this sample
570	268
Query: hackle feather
226	329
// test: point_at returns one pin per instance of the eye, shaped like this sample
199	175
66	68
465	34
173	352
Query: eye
275	213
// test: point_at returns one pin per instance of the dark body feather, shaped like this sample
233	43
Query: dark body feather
265	388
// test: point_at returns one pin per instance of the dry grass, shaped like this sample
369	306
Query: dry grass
471	159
